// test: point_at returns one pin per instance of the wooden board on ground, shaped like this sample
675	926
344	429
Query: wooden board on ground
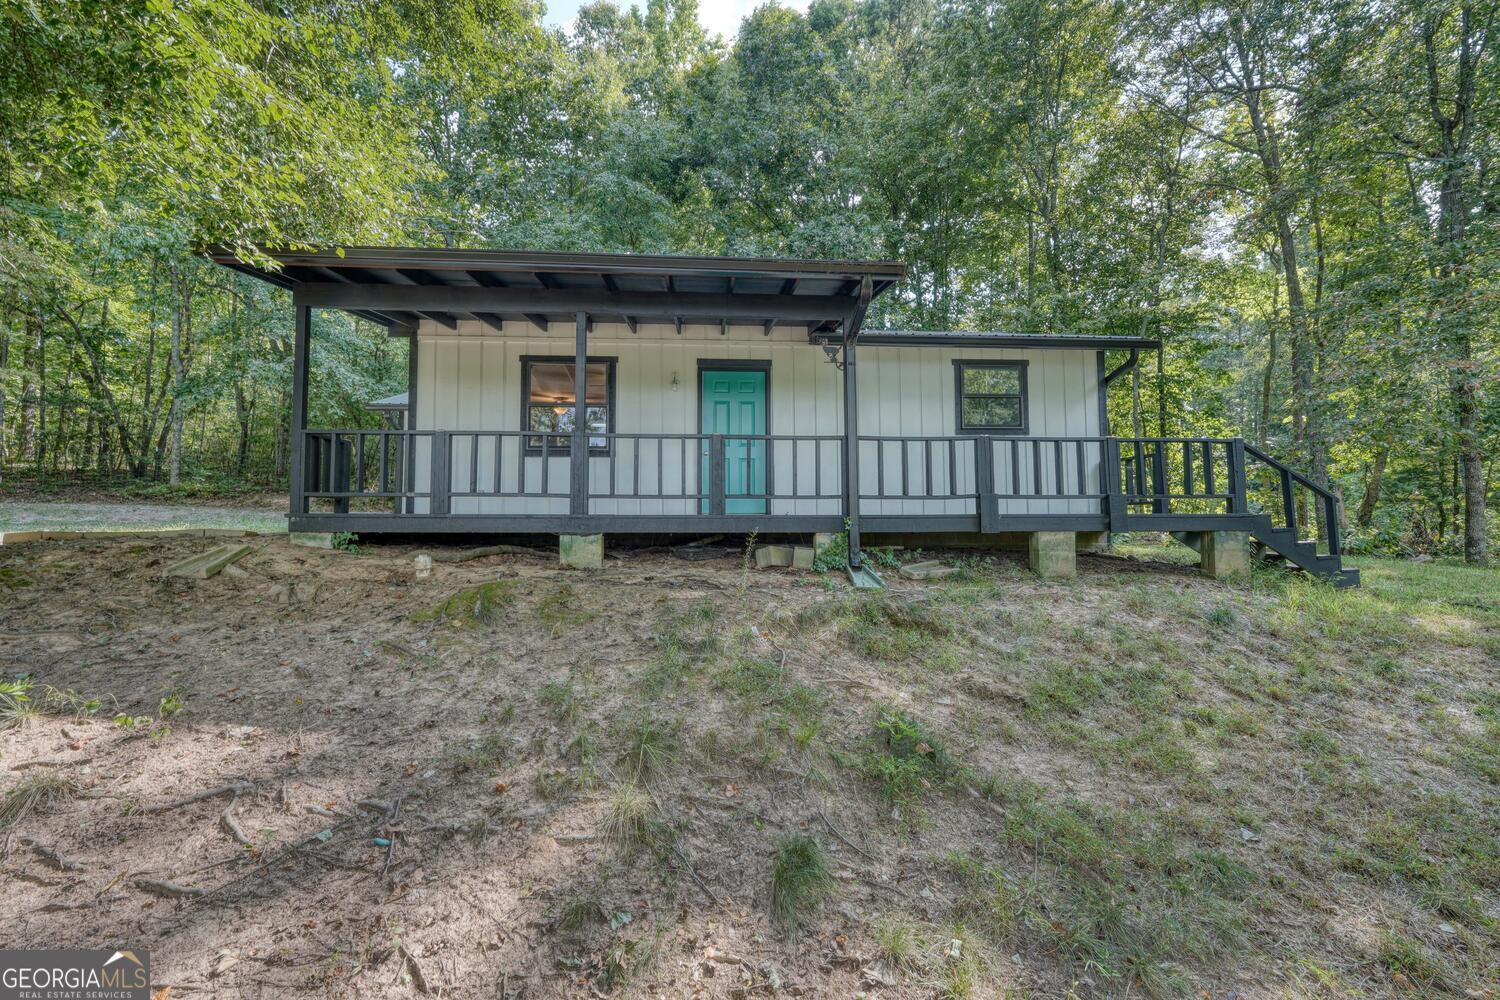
206	564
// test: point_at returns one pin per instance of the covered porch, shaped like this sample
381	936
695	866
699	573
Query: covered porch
578	471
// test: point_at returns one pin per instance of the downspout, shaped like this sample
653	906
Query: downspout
852	327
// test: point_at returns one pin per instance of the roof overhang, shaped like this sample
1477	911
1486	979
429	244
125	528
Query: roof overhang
400	286
961	338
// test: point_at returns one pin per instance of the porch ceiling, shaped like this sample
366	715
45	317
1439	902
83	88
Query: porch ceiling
399	286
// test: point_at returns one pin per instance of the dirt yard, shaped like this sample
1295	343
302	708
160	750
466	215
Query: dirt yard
327	777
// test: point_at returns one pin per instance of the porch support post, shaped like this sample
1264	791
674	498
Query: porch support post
851	420
578	481
851	452
297	447
407	452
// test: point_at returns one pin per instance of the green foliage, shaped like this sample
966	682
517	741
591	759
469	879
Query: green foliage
906	759
16	708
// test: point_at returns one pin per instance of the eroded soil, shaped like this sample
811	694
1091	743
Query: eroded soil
431	785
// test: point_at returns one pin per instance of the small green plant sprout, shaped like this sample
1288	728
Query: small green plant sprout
346	541
746	561
16	708
907	761
800	880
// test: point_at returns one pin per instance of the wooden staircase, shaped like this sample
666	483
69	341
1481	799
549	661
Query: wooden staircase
1273	544
1168	482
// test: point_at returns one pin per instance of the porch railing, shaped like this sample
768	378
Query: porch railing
1127	481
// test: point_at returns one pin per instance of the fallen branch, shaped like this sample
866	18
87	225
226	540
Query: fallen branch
232	825
56	857
234	788
707	889
418	974
465	555
839	834
170	889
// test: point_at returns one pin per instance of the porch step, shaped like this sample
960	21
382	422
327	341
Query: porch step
1283	545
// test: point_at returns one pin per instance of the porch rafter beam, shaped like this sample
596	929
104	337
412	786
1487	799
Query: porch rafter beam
710	306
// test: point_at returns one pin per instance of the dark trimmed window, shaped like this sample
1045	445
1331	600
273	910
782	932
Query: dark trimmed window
991	397
548	402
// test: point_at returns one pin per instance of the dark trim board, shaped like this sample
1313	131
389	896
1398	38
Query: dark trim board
687	524
568	524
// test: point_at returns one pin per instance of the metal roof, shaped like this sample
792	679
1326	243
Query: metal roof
398	286
996	338
396	402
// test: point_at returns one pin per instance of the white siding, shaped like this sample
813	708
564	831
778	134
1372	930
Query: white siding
470	379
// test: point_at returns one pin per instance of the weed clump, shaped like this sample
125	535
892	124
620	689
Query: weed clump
470	607
800	880
630	818
894	630
908	759
16	708
39	793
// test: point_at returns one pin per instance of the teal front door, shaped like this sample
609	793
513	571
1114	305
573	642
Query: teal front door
734	403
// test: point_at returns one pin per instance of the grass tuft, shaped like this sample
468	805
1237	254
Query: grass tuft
884	629
800	880
629	818
35	795
650	750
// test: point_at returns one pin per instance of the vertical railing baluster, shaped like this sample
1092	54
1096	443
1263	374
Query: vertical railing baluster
1187	467
986	502
441	477
716	475
1057	466
1289	501
1208	469
474	463
1083	474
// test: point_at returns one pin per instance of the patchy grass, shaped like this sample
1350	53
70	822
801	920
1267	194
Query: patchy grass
886	628
470	607
1142	784
561	610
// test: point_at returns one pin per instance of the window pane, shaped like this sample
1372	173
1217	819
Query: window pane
996	381
551	418
992	412
552	382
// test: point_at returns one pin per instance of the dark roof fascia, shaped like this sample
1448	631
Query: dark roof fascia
591	263
959	338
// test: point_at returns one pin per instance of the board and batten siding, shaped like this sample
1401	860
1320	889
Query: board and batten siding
469	379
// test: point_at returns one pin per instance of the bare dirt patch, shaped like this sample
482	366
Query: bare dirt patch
326	776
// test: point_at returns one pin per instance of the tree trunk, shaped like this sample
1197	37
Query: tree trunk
1307	406
1373	482
174	416
4	361
1455	312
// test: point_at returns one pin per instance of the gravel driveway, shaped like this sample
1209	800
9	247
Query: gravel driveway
29	516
